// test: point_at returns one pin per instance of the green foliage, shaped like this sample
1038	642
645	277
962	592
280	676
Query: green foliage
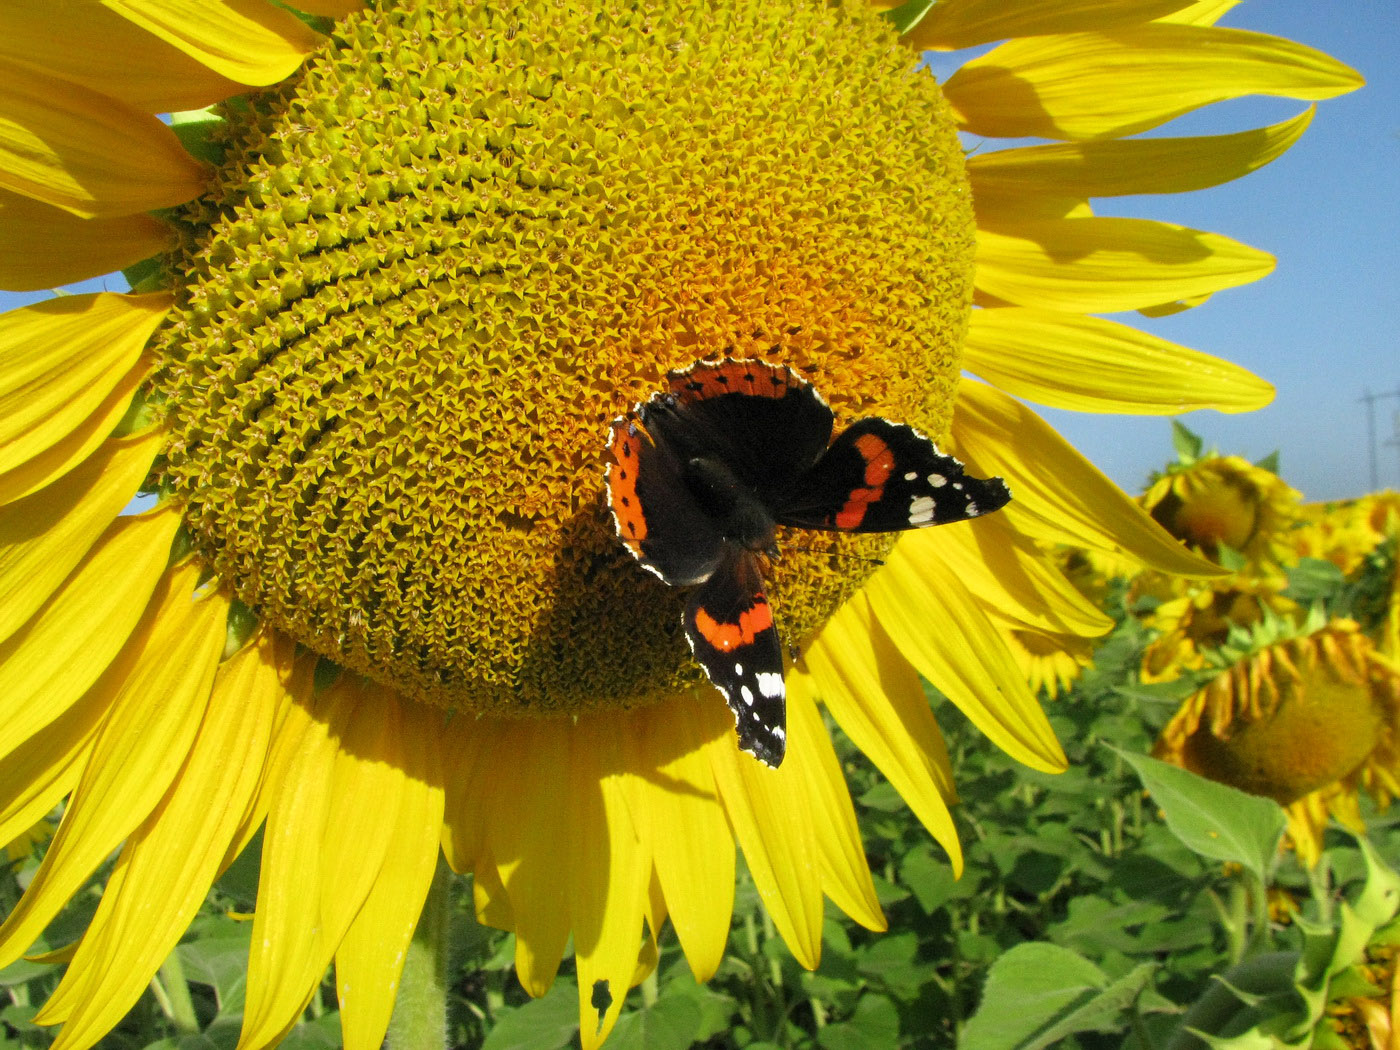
1097	908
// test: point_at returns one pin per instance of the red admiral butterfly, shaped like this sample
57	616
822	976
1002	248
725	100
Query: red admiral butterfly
703	473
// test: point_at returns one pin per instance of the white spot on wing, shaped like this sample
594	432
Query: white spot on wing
937	480
921	510
911	475
738	670
770	684
746	694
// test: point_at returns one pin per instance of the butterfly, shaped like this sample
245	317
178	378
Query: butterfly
701	475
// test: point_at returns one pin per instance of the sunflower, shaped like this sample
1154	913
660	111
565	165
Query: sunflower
1308	716
387	294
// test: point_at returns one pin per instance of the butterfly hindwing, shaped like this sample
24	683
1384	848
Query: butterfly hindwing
729	624
879	476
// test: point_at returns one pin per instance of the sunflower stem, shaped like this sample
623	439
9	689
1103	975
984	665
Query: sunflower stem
173	992
420	1015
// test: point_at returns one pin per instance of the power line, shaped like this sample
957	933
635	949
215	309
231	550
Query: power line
1370	399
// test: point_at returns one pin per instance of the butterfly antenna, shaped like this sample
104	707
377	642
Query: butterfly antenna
831	553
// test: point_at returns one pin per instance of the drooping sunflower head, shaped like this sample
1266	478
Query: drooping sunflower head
1225	501
1303	718
435	263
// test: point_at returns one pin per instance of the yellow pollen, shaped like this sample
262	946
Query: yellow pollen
442	258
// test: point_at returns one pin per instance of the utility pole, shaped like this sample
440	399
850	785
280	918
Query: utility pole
1370	399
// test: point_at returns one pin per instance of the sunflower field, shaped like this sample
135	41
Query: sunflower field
1127	902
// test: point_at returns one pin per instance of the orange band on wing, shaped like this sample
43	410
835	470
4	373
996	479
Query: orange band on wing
622	484
727	637
879	462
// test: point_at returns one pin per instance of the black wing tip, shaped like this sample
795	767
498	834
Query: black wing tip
769	752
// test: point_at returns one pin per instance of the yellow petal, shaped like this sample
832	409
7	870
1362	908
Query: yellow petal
952	24
370	958
97	48
1087	364
1104	85
526	828
773	822
249	41
43	247
464	801
609	873
43	536
1056	494
170	861
289	952
876	697
49	663
845	872
941	629
86	153
1117	167
61	358
44	769
1009	574
138	750
1100	264
675	805
75	448
1201	13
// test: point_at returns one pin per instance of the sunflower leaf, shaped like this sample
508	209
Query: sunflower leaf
1214	820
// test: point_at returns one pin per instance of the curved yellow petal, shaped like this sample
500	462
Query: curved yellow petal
464	809
47	665
1117	167
1088	364
1201	13
43	536
43	247
250	41
173	857
61	358
773	823
609	873
952	24
370	958
138	750
289	952
1056	494
75	448
527	826
875	695
845	871
941	629
1101	264
44	769
1011	576
676	807
97	48
86	153
1102	85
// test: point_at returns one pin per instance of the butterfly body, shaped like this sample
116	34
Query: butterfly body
702	475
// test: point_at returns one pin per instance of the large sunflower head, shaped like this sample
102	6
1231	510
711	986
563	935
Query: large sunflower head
389	291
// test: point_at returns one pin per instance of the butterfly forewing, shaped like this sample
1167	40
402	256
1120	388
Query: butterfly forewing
879	476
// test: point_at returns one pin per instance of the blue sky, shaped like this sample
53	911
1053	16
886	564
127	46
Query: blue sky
1326	325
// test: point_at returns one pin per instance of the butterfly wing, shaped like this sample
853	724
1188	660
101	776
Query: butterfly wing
763	421
879	476
654	510
730	627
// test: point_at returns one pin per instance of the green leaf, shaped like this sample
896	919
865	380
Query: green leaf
1040	994
931	881
1187	443
670	1023
1313	580
541	1024
874	1025
907	15
1269	462
1214	820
